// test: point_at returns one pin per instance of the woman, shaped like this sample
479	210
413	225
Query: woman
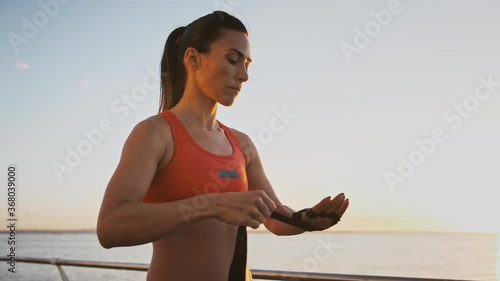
188	183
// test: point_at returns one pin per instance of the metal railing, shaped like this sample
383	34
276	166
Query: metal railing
256	273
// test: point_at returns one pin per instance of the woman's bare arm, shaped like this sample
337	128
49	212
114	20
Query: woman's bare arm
124	221
257	180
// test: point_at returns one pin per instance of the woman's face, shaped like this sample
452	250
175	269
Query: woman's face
224	69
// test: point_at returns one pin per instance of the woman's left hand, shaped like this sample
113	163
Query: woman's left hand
326	213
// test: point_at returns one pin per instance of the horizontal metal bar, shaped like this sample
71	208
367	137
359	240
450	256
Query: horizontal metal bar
82	263
256	273
311	276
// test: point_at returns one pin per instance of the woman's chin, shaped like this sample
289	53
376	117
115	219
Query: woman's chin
227	102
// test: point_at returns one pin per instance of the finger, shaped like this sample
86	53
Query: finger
263	208
258	216
284	210
344	208
336	201
339	207
253	223
269	203
322	205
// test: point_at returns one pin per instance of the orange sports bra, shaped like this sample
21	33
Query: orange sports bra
194	171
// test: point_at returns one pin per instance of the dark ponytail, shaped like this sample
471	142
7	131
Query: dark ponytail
173	72
199	34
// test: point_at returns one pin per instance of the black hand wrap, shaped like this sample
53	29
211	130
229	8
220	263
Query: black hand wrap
296	219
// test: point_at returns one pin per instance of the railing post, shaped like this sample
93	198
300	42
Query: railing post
63	274
64	277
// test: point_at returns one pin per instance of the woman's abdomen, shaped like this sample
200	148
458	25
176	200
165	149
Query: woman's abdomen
202	251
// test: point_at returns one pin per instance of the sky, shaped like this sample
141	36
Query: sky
394	103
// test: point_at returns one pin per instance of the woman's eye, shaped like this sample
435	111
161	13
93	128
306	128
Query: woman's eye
232	61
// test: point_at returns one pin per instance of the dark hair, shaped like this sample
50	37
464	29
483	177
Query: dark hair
199	34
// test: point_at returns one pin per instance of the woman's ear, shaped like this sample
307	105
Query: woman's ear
192	58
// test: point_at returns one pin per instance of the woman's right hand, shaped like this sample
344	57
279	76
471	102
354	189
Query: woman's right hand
244	208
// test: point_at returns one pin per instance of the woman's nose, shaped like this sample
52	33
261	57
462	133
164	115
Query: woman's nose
242	75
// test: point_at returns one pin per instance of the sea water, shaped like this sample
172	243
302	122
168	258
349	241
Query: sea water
453	256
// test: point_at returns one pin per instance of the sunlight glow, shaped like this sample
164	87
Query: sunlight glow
469	222
22	65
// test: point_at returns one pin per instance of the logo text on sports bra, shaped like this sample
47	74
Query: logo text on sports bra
228	174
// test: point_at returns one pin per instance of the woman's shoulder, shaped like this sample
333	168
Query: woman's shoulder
153	126
240	136
154	122
153	136
246	144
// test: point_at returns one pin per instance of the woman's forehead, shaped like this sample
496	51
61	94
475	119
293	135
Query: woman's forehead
233	41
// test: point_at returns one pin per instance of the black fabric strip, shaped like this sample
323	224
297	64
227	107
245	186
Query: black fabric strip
292	222
237	271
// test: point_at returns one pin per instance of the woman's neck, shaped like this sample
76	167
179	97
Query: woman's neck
197	109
